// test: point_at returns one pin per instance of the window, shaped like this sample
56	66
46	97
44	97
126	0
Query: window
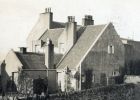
61	48
110	49
115	73
93	78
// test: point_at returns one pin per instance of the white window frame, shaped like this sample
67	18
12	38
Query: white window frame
110	49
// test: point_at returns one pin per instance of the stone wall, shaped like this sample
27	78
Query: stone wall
101	61
116	92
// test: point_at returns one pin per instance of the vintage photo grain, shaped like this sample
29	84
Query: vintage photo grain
69	50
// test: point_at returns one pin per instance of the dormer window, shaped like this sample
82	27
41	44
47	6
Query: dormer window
110	49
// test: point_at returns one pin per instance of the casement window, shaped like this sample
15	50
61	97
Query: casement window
110	49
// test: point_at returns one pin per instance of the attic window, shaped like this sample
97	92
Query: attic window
110	49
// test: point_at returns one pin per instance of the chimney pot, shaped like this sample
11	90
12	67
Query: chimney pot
87	20
71	19
48	10
23	50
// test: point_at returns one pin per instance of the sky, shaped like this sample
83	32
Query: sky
17	17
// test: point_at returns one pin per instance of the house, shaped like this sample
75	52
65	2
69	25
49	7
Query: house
44	23
71	56
87	49
99	52
24	67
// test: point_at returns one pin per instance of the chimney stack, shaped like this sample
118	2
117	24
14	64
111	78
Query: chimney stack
70	30
71	19
47	18
49	54
87	20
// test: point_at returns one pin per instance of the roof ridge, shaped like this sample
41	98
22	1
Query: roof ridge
55	28
59	22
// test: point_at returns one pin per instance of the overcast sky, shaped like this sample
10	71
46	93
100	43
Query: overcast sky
17	17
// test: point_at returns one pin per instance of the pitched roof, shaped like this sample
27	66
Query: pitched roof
40	27
53	34
32	60
82	45
58	24
35	60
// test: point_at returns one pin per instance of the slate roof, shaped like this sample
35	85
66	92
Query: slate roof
58	24
32	60
53	34
35	60
40	28
76	53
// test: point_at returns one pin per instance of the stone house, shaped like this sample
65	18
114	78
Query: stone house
24	67
72	56
99	52
86	48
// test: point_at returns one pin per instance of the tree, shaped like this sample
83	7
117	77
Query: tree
25	84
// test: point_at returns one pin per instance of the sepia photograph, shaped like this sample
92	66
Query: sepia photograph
69	50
